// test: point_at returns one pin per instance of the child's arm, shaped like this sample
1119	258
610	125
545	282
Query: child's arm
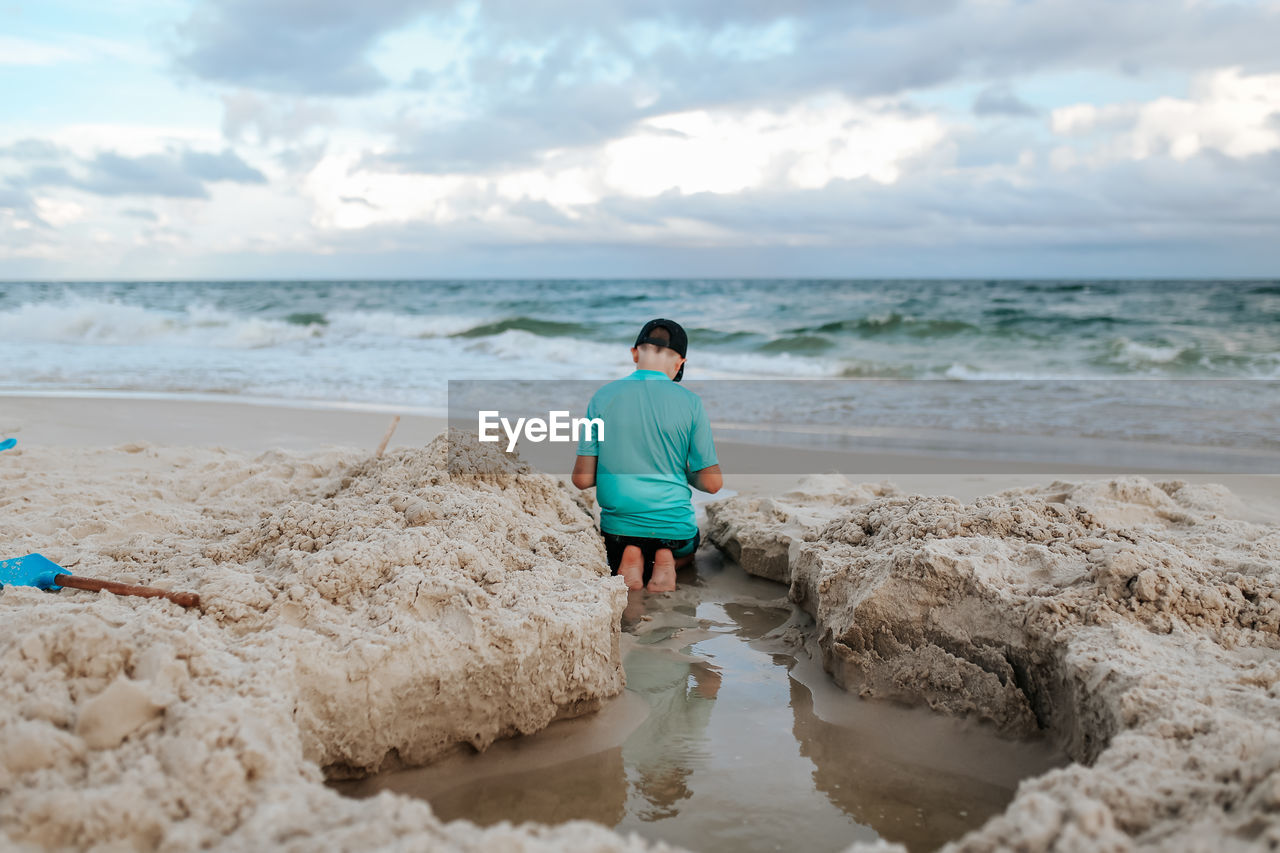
584	472
702	468
708	479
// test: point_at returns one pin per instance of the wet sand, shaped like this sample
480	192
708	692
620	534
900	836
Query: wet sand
730	737
111	419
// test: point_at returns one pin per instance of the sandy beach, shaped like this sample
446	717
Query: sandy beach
588	427
363	615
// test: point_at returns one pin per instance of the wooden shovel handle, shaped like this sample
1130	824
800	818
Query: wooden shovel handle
186	599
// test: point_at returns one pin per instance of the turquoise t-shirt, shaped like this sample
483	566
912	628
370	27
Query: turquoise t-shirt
655	432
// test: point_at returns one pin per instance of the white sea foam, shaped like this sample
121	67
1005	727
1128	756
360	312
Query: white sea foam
80	320
358	324
1131	353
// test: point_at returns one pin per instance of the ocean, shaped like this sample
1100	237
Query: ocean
1045	355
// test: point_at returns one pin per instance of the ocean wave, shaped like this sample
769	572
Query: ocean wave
1129	353
378	325
1185	360
399	342
543	328
110	322
889	323
703	336
80	320
800	344
515	352
858	369
971	372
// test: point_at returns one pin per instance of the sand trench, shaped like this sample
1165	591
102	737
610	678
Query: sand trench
742	743
1137	622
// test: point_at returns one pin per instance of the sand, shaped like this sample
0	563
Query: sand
358	614
363	614
1137	622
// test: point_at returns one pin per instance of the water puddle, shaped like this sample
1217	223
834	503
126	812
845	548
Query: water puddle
731	737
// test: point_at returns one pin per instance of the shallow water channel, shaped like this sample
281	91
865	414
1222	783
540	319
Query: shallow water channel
730	736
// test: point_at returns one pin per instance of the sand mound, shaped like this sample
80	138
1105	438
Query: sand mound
1136	622
358	613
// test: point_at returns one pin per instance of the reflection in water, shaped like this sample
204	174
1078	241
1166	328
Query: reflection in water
730	738
590	788
893	796
664	750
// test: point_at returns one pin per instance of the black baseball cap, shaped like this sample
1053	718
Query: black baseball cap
675	339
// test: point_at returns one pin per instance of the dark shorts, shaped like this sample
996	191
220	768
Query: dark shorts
614	545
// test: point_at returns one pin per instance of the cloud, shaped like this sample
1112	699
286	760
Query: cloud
174	174
315	47
45	175
687	126
539	76
14	199
177	176
57	212
1000	100
806	145
515	132
269	119
32	149
224	166
1226	111
1158	204
151	174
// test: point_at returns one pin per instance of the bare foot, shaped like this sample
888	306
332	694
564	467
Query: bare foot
631	568
664	571
633	613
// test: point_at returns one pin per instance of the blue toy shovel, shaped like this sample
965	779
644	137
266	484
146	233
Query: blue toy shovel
7	443
42	573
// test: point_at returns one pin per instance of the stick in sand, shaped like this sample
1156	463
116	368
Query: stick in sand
186	599
40	572
383	446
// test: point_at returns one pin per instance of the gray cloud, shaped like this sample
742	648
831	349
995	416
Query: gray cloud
301	158
224	166
542	74
538	75
1000	100
174	174
151	174
14	199
986	147
316	47
575	95
140	213
245	112
1157	216
44	175
31	149
514	131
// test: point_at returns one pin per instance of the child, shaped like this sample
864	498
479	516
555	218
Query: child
656	443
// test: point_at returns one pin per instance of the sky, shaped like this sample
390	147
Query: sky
250	139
